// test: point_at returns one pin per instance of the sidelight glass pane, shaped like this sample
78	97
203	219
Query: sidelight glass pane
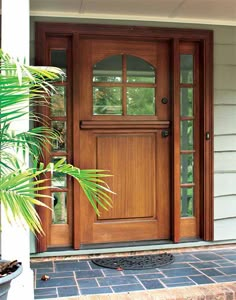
187	202
140	101
187	168
60	143
186	68
59	59
186	130
58	179
59	208
138	70
107	101
108	69
58	101
186	102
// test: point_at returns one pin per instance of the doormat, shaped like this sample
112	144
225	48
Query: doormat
135	262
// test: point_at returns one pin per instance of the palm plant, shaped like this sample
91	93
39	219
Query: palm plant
21	187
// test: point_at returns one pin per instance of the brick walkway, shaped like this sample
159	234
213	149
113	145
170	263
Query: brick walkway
196	274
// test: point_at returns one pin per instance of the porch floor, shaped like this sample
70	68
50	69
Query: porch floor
194	272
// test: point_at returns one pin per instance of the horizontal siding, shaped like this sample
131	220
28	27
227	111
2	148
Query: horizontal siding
225	184
224	35
225	77
225	54
225	207
224	119
225	133
225	162
225	143
224	97
225	229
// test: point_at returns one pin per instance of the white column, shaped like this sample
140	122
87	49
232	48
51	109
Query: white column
15	241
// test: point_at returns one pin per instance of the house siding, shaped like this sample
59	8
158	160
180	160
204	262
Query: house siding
224	117
225	133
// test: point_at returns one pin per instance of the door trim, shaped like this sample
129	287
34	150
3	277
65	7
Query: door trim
175	37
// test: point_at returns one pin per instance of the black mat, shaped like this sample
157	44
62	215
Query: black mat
135	262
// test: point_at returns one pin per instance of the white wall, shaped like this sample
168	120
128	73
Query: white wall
224	117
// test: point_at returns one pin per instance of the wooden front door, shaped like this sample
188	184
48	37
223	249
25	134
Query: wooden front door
123	108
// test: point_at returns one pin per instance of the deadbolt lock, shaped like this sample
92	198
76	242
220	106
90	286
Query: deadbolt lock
165	133
164	100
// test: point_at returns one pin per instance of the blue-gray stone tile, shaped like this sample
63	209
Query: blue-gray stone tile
205	265
201	279
136	272
112	272
176	280
175	265
180	272
228	270
56	274
230	257
99	290
55	282
149	276
225	278
68	266
68	291
185	258
108	281
87	283
212	272
127	288
207	256
89	274
225	251
46	292
41	265
173	285
46	297
152	284
44	270
226	263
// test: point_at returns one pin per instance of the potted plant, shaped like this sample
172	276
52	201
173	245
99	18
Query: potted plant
21	187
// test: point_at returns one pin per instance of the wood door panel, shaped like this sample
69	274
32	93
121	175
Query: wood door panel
131	159
123	232
141	207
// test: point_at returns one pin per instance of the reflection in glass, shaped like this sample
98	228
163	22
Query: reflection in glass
58	101
108	69
59	208
58	59
138	70
107	101
186	131
58	179
186	102
186	68
140	101
60	128
187	168
187	202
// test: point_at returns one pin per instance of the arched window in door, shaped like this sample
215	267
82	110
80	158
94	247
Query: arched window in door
124	85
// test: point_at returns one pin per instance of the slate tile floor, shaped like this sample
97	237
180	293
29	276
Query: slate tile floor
82	277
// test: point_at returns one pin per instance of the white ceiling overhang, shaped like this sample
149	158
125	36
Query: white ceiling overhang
216	12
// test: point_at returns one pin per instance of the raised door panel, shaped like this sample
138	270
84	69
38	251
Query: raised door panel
131	157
